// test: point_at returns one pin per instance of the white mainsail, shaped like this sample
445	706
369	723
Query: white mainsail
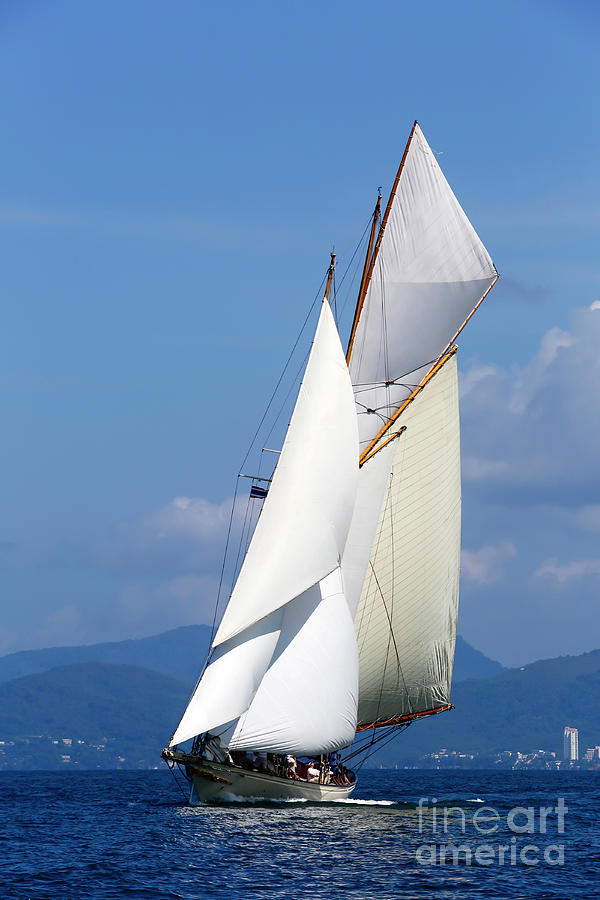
302	529
406	619
430	272
275	621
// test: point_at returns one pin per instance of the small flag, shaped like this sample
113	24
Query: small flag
258	493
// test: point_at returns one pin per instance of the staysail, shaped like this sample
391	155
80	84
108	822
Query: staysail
289	597
307	701
302	529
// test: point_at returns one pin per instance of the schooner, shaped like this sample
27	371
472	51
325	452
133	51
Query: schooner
350	581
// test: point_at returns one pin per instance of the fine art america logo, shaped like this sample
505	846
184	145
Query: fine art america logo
521	836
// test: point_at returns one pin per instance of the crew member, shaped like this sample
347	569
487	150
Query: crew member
312	773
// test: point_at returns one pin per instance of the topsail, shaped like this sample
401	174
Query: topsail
429	273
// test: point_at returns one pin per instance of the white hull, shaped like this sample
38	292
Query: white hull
213	782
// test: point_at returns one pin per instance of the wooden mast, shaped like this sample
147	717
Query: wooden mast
363	281
366	280
329	275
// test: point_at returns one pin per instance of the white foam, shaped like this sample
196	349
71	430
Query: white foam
238	798
365	802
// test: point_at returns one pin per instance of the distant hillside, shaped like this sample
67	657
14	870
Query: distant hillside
93	714
179	653
472	663
128	711
521	709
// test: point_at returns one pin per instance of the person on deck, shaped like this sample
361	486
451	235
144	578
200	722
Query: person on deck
291	765
312	773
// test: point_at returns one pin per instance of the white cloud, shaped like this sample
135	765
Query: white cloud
562	573
185	536
537	428
486	565
474	376
185	518
588	518
533	378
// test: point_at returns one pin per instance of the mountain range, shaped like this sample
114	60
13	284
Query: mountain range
522	709
178	653
115	704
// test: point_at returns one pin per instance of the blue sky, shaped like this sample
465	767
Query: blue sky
173	179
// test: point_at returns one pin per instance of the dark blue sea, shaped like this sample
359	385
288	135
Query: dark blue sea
131	835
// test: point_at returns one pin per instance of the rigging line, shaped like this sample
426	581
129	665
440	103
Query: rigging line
389	615
236	570
356	249
368	410
172	771
391	640
287	396
214	621
363	626
374	384
374	409
360	630
335	313
386	348
366	317
359	746
367	750
379	745
380	740
280	379
393	637
393	583
374	256
349	289
217	601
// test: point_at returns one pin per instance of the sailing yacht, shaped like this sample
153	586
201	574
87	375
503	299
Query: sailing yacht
350	582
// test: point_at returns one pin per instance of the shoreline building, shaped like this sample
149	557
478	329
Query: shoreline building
570	744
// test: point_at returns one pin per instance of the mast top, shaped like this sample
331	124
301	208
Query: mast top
330	275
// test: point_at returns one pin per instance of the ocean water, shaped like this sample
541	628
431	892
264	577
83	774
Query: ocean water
131	835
